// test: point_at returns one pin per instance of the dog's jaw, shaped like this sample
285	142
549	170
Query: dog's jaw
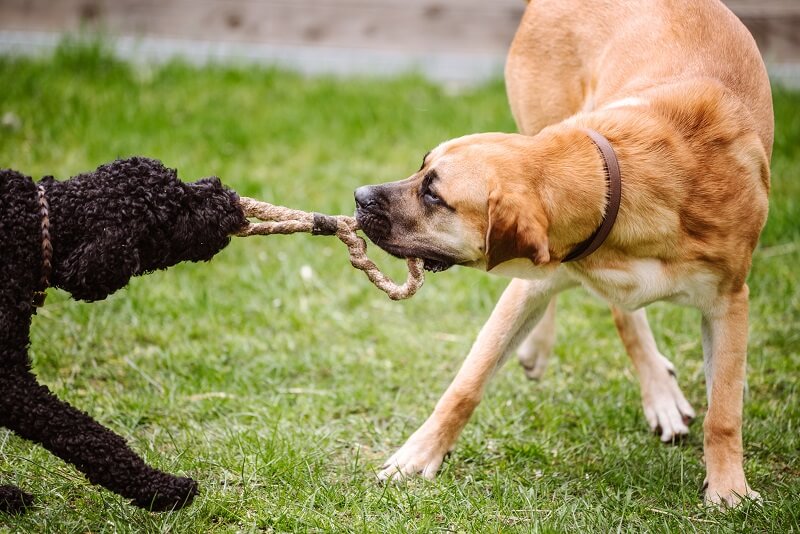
435	266
374	226
378	229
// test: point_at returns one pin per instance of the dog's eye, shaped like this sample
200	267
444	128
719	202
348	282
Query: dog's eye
430	197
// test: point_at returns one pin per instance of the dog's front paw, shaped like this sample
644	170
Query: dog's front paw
729	493
13	500
423	454
534	352
534	357
167	493
667	411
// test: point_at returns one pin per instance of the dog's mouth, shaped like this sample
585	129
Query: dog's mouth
430	261
378	228
375	226
435	266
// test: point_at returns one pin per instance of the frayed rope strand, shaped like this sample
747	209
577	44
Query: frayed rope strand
281	220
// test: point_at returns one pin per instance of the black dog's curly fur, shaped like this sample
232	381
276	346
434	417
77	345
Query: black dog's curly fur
127	218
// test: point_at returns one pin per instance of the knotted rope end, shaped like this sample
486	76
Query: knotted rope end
281	220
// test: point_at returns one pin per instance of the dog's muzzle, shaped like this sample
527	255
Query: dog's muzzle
371	215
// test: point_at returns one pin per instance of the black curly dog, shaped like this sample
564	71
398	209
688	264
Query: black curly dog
126	218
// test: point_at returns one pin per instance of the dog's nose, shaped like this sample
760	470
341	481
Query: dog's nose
365	196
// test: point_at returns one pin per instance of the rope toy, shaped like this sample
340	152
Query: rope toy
282	220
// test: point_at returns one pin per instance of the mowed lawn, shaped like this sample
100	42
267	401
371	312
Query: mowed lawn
283	392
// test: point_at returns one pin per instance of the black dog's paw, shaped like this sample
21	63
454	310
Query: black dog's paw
171	493
13	500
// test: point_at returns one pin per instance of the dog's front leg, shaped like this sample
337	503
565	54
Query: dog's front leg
33	412
520	307
725	351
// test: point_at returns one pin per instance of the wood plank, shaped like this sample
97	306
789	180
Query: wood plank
778	37
763	8
413	26
356	28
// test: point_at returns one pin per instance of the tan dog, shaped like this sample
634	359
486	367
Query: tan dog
680	91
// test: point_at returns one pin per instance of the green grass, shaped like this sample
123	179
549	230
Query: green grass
283	395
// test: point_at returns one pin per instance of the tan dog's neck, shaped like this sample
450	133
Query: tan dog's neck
570	180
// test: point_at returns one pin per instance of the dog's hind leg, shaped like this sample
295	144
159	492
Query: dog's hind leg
666	409
33	412
534	352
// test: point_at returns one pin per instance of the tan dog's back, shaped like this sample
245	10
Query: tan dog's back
566	57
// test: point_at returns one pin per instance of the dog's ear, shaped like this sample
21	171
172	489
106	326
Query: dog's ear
517	228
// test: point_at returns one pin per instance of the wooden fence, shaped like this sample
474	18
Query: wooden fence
457	40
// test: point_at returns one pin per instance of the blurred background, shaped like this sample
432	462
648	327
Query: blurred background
276	375
453	41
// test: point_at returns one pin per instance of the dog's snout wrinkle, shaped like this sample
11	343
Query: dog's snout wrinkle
369	212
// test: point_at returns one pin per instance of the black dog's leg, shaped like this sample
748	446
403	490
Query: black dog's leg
33	412
13	500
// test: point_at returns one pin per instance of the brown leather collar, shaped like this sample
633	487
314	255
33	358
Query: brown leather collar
614	195
47	249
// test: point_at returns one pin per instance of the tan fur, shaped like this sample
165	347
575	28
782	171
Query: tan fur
678	88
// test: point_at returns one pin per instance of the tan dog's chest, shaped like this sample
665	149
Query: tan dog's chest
629	284
639	282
